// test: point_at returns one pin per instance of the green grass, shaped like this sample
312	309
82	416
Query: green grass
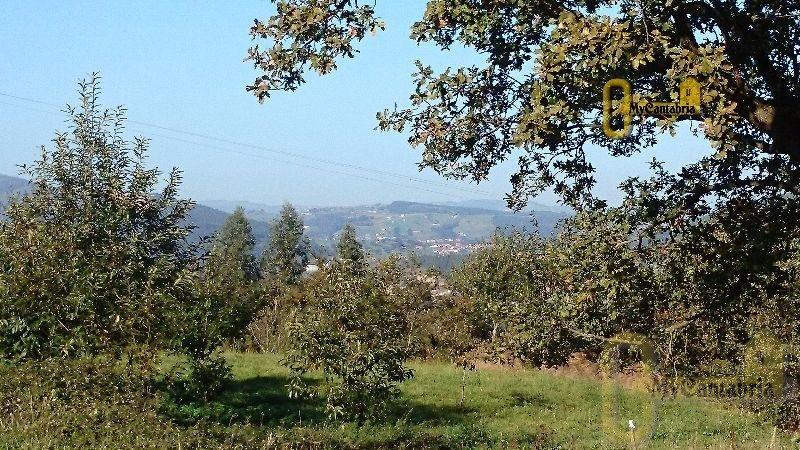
503	407
76	407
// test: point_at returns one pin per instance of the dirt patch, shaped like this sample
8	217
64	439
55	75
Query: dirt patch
500	367
578	366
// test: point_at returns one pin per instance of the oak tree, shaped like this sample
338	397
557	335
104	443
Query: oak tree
536	96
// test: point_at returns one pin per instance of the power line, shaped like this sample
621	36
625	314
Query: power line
294	163
277	151
254	155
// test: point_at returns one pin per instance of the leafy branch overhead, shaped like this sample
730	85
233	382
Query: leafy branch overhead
537	95
307	36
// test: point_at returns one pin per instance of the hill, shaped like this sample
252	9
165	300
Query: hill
10	186
425	228
501	205
206	220
428	229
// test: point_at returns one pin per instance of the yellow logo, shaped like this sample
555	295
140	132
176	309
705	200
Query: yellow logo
687	105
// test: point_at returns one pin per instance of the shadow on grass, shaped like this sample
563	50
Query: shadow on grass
418	413
265	400
521	399
261	400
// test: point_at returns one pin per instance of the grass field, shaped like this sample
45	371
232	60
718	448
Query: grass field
503	408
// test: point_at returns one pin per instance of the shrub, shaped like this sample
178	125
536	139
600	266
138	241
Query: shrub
516	307
198	379
269	330
701	294
93	259
352	326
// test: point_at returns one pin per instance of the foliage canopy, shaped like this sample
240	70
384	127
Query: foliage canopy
94	258
537	96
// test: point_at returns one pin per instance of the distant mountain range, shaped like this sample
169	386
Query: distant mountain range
10	186
206	220
501	205
442	229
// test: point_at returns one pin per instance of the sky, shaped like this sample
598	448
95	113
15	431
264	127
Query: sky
178	68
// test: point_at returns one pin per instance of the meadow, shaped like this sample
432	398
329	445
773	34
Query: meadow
502	407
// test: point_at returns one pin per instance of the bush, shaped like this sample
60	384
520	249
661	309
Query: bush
701	293
95	258
352	326
517	309
198	379
269	331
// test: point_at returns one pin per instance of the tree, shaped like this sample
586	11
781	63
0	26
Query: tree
517	306
730	216
287	254
352	325
93	259
609	274
227	302
232	252
700	297
349	249
538	93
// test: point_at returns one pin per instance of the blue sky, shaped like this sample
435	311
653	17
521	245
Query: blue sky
179	65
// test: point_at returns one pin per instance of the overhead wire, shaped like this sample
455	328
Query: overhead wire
226	141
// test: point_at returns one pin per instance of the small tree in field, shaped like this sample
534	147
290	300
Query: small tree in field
227	302
352	326
287	254
93	259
